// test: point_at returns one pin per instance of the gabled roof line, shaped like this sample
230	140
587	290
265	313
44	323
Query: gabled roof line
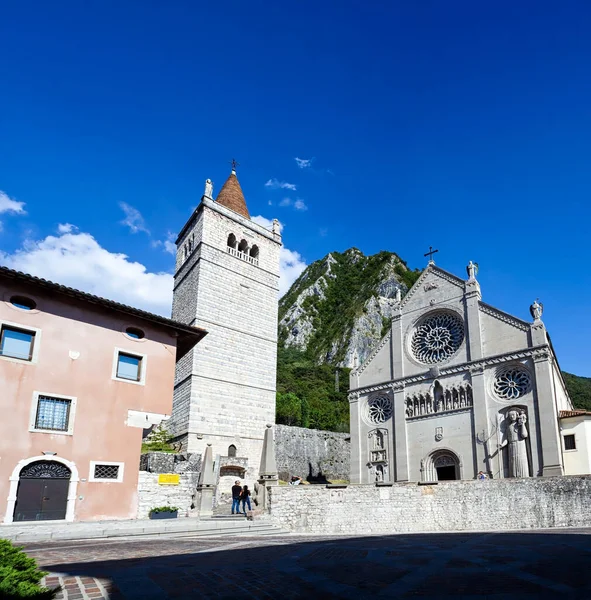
431	268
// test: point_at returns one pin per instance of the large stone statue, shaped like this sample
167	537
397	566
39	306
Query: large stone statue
536	310
472	270
515	441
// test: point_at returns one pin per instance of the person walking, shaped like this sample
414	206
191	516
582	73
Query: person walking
236	493
245	497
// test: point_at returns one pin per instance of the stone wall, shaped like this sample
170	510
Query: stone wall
449	506
311	453
151	495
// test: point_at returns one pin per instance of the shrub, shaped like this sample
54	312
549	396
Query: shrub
160	509
19	575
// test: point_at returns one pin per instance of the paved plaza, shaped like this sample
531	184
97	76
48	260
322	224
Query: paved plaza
527	564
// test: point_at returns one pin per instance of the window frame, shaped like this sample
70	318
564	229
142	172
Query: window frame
93	465
35	407
143	365
572	435
36	342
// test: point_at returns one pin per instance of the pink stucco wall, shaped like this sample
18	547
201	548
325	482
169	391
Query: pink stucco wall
100	432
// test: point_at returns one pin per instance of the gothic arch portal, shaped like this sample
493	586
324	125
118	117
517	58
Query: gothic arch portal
441	465
15	478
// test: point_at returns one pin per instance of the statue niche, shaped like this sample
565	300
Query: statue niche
514	441
378	454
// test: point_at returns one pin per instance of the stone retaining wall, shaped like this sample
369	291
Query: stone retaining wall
312	453
449	506
151	495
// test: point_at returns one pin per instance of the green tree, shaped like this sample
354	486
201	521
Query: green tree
289	409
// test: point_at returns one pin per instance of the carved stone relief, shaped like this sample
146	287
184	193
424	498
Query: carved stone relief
439	400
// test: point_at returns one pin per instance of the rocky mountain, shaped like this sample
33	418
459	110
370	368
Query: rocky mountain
341	305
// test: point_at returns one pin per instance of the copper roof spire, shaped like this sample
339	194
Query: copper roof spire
231	195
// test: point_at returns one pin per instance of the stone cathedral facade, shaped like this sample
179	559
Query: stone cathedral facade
457	387
226	281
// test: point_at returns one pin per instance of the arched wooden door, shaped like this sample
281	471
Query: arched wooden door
42	493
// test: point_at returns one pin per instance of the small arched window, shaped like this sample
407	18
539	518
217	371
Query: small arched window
23	302
232	241
254	252
232	451
243	246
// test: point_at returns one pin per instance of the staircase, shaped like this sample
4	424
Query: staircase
223	525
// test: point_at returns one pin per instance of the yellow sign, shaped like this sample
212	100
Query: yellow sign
168	479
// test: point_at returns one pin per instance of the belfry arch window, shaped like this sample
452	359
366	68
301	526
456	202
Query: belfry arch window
243	246
254	251
231	241
232	451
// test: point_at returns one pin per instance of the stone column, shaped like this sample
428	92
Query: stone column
399	430
547	415
206	485
268	470
480	460
355	419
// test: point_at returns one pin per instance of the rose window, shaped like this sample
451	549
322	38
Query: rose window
378	410
437	338
512	383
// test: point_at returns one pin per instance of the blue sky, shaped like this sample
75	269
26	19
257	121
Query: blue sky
459	125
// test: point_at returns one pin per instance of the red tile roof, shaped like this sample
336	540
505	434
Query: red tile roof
231	196
574	413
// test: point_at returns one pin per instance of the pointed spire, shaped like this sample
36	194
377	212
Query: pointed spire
231	195
207	477
268	465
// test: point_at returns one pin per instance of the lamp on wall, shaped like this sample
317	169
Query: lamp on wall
50	453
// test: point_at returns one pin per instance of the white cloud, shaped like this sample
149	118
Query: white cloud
299	204
9	205
304	163
291	263
133	218
66	228
266	223
275	184
285	202
167	245
78	260
291	266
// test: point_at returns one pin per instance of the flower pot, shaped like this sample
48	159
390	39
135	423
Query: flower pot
169	514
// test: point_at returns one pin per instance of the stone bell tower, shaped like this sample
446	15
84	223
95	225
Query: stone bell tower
226	281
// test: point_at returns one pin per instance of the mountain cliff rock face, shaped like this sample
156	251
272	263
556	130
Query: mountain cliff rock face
341	305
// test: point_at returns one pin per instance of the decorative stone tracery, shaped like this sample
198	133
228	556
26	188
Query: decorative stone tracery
437	337
377	410
439	400
512	382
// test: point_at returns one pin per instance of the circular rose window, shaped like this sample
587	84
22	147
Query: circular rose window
511	383
437	337
377	410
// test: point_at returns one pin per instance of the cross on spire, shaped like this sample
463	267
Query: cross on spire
430	255
234	164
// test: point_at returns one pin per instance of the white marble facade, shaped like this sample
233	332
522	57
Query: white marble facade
457	387
225	389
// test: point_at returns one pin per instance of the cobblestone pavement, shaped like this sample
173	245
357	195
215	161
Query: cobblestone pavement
527	564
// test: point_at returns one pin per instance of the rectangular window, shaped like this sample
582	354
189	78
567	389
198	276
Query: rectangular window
569	442
106	472
129	367
53	414
16	343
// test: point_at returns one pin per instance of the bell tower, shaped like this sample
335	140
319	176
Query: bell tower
227	281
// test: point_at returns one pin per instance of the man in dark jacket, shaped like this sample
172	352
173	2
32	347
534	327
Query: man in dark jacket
236	491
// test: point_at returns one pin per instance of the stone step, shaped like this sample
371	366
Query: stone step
143	528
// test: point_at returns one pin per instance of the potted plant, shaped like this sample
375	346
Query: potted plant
164	512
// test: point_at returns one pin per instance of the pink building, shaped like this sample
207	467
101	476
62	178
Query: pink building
80	377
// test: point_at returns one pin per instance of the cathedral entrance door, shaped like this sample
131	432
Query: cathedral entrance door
446	473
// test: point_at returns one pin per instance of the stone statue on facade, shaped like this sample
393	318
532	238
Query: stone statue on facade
472	270
398	296
515	441
536	310
208	193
